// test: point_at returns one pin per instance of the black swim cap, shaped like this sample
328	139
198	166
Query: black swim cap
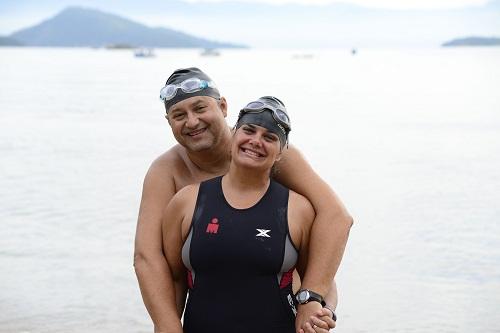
182	74
266	117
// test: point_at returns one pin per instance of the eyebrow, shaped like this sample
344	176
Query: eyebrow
193	104
197	102
252	126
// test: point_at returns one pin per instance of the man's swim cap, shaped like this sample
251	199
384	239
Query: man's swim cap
207	88
268	112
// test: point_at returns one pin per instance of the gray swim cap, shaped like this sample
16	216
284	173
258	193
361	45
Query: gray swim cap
206	88
268	112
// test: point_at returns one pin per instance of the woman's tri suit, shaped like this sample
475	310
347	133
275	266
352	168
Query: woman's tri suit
240	264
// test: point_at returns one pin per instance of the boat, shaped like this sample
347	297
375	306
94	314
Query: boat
118	46
303	56
210	53
144	53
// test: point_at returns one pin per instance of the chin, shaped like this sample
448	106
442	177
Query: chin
199	146
252	164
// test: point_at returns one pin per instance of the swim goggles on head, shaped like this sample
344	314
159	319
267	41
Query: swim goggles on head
190	85
279	114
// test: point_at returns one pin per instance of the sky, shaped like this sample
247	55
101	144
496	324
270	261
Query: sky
289	23
388	4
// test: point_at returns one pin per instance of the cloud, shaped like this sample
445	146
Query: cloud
386	4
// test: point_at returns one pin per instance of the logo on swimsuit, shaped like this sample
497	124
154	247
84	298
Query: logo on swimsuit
263	233
292	305
213	226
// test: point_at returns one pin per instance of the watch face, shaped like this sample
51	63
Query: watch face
303	296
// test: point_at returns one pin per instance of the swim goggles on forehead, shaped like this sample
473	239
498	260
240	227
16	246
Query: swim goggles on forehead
279	114
190	85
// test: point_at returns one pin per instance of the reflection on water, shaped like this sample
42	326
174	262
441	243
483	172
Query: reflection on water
409	140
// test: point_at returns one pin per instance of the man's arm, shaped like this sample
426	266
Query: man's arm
331	225
151	268
329	231
311	317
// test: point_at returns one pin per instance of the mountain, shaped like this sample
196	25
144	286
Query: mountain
76	26
473	41
7	41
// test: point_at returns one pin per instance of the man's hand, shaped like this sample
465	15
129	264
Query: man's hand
312	318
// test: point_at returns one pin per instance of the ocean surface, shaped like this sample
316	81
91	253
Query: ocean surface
409	140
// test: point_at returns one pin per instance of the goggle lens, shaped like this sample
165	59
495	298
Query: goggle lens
167	92
282	116
191	85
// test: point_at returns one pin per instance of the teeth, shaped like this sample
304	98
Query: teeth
249	152
196	132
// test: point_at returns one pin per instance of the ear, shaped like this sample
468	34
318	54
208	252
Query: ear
223	106
168	119
279	155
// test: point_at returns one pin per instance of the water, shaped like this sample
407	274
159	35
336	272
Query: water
409	139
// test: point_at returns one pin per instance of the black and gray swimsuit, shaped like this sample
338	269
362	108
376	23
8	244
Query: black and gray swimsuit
240	264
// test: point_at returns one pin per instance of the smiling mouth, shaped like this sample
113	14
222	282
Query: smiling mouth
252	153
196	132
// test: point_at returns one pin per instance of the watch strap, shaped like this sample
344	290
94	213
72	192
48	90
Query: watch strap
316	297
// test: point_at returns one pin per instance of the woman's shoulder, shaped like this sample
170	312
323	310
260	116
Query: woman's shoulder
187	193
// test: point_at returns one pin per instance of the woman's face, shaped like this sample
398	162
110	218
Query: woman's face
255	147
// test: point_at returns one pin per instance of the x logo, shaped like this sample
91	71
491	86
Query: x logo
263	232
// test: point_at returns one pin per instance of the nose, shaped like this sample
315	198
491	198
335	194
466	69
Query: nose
255	140
192	120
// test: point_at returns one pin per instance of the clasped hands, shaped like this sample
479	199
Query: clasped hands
313	318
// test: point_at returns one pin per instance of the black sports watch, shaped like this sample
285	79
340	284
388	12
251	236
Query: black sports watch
305	296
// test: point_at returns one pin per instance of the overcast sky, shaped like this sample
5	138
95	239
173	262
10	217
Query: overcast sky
289	23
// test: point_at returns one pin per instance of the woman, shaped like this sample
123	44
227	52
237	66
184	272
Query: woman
239	237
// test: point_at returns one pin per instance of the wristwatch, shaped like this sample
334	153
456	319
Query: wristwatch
305	296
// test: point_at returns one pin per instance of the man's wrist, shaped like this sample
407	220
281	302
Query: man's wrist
304	296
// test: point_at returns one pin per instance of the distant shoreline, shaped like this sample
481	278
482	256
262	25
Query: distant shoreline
472	42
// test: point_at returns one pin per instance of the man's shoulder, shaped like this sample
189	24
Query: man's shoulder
174	155
170	162
167	168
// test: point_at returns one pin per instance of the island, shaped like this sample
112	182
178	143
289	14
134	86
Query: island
473	41
7	41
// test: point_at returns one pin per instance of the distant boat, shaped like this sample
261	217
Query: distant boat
144	53
119	46
303	56
210	53
354	51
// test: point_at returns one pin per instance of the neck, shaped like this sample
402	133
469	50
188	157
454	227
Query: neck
243	188
247	179
216	159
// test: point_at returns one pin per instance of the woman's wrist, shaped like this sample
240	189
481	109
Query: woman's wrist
334	316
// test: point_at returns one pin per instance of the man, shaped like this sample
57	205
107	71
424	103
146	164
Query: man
196	114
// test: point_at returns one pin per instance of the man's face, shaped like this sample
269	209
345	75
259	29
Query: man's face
198	122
